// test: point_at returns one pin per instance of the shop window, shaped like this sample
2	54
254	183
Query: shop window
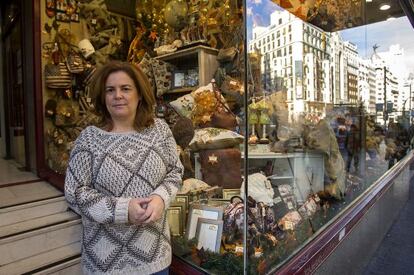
296	185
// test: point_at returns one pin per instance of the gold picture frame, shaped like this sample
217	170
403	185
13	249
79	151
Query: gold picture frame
229	193
175	220
183	205
182	198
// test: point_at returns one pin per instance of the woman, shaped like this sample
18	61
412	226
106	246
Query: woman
122	176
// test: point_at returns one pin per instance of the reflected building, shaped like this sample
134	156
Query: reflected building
386	90
367	85
303	61
317	69
351	80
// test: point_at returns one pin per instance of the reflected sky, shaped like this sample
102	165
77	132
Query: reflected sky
384	34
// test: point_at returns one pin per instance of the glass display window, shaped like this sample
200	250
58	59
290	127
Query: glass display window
284	112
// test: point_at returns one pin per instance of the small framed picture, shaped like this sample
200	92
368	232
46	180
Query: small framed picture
182	198
209	234
201	211
229	193
178	79
175	220
184	210
192	78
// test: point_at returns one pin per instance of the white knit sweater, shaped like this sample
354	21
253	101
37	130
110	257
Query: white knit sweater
105	171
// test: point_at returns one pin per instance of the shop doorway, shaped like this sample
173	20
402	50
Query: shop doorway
13	93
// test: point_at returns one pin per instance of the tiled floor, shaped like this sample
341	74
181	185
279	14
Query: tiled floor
9	173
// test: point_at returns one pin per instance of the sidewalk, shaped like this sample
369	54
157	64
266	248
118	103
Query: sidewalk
396	252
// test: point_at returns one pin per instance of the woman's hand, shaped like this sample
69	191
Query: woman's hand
155	208
137	213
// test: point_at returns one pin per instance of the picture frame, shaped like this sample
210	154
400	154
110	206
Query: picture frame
184	207
182	198
209	234
197	211
178	79
229	193
175	220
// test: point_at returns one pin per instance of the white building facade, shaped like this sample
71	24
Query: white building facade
298	53
318	70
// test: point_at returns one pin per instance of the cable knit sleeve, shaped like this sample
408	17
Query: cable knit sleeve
79	191
167	146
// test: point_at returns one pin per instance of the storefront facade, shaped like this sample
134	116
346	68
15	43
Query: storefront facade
286	132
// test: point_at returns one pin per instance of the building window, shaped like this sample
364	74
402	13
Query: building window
280	21
290	28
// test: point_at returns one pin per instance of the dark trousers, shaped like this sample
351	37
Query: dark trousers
162	272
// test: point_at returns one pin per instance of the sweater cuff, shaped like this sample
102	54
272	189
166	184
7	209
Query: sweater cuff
121	210
164	196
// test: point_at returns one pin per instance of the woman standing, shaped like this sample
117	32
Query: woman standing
122	176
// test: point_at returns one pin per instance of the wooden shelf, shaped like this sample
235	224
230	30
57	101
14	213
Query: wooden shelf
182	90
187	52
199	57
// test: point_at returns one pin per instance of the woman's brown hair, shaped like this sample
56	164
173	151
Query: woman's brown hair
145	111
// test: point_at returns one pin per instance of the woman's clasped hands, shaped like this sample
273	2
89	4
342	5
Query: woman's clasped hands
145	210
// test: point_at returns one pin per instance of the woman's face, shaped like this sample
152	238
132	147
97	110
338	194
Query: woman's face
121	97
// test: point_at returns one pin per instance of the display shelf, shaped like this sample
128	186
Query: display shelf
274	177
199	57
182	90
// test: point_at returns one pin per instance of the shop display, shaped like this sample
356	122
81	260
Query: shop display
301	171
214	138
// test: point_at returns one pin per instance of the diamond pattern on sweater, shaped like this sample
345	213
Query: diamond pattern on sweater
138	184
147	238
153	169
129	155
104	249
109	180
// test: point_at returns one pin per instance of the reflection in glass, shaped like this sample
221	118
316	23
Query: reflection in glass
333	108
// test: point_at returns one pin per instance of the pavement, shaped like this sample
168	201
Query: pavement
395	255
